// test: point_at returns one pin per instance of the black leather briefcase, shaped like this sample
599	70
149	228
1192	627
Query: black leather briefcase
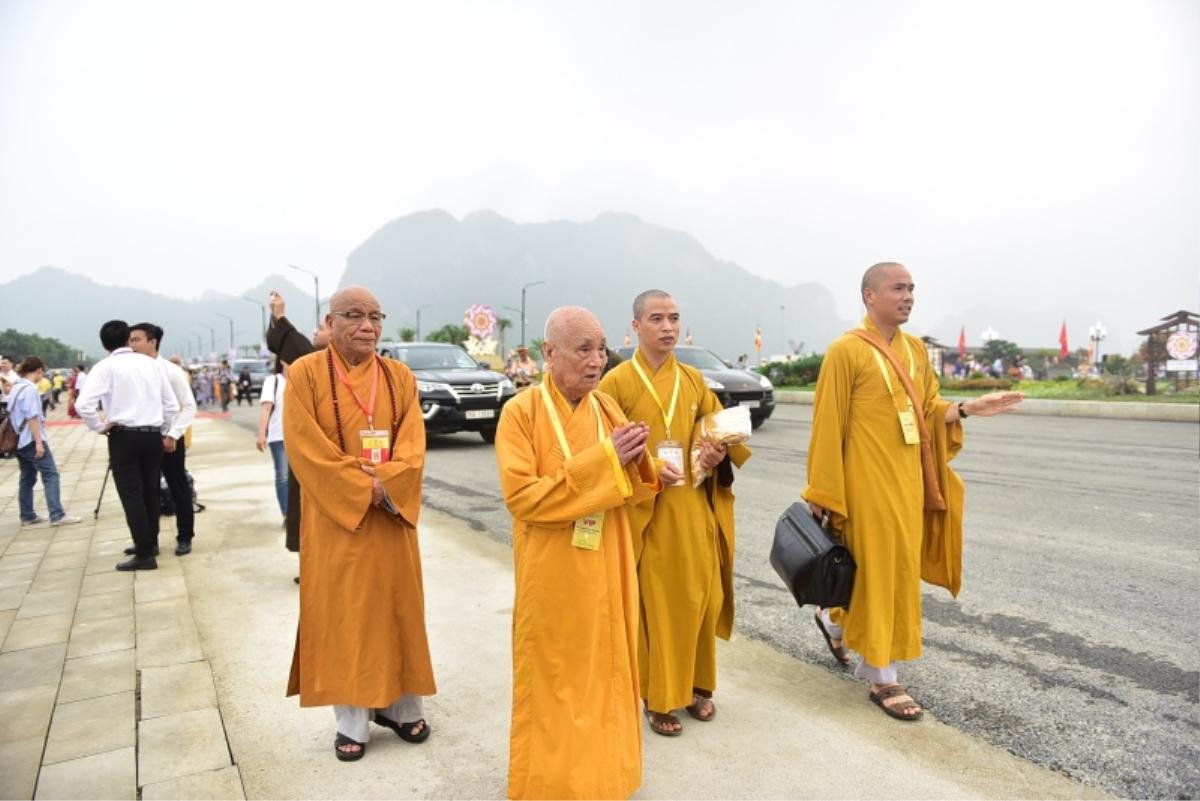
812	563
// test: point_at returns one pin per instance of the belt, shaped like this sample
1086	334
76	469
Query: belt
147	429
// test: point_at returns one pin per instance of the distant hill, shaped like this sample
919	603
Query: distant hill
80	306
432	258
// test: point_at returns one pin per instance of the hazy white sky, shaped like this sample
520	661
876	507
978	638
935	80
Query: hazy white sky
1037	154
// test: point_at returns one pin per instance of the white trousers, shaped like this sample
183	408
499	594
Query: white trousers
878	675
353	721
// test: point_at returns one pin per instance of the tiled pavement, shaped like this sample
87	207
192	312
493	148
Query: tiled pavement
105	691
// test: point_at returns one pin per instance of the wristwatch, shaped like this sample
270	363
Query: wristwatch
962	410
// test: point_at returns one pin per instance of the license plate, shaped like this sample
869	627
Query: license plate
480	414
751	404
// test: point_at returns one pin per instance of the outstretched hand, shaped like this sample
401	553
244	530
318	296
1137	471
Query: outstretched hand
275	301
993	403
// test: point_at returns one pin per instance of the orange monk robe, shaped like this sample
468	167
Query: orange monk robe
576	719
861	470
684	539
361	640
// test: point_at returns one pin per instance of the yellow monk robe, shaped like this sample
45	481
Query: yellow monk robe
861	470
361	639
576	719
684	541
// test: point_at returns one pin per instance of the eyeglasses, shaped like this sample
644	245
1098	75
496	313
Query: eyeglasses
356	317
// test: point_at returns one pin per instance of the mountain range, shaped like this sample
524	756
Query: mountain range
441	265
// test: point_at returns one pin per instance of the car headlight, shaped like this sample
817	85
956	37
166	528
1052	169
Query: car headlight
506	385
432	386
765	382
713	384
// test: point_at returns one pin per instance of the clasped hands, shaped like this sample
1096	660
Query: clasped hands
376	484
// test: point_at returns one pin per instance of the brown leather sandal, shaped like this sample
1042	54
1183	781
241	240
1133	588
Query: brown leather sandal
659	722
840	652
700	703
906	711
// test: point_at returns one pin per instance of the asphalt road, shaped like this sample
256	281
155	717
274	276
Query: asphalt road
1075	640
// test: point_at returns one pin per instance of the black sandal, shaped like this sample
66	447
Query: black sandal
839	651
348	756
698	703
404	730
660	721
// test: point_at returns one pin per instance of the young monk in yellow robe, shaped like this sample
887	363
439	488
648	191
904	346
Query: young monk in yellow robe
865	471
569	465
684	538
356	442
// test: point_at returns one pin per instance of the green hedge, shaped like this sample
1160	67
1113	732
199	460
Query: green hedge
977	383
794	373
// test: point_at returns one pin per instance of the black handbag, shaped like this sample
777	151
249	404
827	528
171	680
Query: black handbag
812	563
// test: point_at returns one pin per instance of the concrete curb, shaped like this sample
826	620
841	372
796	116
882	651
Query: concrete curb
1162	412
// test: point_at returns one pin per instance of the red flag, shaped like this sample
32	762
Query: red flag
1063	350
962	342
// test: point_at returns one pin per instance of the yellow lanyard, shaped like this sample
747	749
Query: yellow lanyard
557	424
887	378
668	414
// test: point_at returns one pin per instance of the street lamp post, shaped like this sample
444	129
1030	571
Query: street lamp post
419	309
262	312
523	288
1098	333
230	319
212	337
316	293
783	328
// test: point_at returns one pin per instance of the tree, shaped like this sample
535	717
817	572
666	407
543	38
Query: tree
454	334
408	334
535	348
503	324
17	346
1000	349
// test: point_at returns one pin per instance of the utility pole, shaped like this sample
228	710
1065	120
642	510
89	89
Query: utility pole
262	309
419	308
523	288
230	319
316	294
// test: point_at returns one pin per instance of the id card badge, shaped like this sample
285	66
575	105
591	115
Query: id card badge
908	424
587	532
376	448
671	451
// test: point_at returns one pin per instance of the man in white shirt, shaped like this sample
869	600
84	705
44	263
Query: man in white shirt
139	410
8	374
270	431
146	339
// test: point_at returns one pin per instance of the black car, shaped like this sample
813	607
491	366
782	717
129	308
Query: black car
456	393
732	387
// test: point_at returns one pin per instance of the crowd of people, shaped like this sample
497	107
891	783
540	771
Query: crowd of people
623	559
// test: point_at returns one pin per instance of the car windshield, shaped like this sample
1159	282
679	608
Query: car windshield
699	358
433	357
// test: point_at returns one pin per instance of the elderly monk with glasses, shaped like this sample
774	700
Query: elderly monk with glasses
356	442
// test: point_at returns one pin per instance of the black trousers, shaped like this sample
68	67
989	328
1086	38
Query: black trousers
136	461
174	470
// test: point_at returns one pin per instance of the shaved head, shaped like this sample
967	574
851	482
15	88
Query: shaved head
352	331
350	297
875	274
574	350
568	323
639	303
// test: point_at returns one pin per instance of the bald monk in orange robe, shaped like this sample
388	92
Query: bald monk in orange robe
569	465
356	441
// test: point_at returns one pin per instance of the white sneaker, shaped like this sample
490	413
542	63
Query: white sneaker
66	520
37	521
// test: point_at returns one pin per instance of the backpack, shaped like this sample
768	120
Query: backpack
166	504
9	436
